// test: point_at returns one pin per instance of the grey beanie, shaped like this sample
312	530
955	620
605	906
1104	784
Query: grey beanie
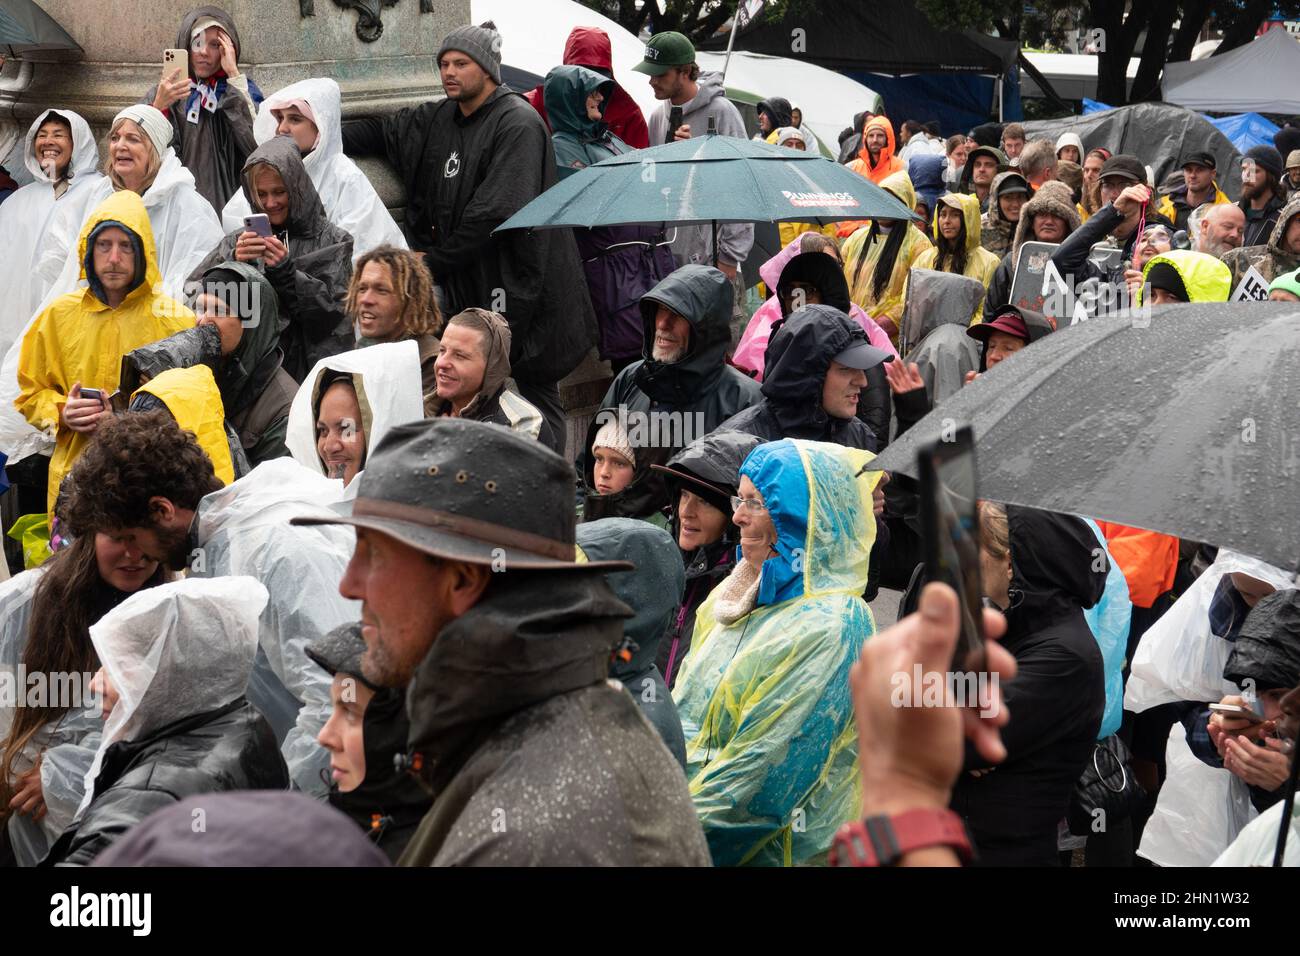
482	44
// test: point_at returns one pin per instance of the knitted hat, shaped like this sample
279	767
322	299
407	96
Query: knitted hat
153	123
1290	282
612	436
482	44
1266	157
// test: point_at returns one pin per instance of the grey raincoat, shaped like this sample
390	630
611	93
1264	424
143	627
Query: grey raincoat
312	282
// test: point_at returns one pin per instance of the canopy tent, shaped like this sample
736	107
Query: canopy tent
533	35
1259	77
1160	134
827	99
1073	75
949	76
1246	130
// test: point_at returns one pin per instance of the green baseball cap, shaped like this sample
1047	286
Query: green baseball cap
664	51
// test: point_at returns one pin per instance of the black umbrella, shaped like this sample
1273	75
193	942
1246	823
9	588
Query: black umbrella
1185	422
29	32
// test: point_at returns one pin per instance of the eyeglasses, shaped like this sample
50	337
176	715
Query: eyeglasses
1156	233
750	504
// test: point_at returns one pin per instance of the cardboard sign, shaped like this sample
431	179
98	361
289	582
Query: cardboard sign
1252	288
1033	280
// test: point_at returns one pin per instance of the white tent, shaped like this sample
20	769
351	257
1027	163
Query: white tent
827	99
533	36
1259	77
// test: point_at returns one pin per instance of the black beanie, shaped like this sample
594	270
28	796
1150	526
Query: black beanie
1163	275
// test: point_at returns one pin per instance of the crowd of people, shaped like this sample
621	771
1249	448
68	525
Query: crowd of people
302	509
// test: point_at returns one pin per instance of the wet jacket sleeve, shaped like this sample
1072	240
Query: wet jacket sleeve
874	409
1071	256
999	293
113	813
384	136
911	407
748	791
41	379
311	290
1198	736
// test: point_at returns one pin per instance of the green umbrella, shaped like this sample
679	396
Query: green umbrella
29	32
708	179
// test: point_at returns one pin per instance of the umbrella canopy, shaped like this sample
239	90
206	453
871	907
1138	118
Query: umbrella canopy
1188	426
29	32
708	179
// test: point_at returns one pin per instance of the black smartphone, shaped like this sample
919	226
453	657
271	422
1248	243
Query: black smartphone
94	393
951	532
674	122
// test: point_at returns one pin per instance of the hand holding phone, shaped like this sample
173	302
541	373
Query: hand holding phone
674	123
259	224
174	85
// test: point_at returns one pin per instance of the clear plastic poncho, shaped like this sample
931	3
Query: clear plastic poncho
771	745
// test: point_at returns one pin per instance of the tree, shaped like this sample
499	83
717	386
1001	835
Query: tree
699	20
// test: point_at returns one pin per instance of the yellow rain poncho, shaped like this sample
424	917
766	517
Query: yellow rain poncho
78	338
861	251
771	746
980	263
192	397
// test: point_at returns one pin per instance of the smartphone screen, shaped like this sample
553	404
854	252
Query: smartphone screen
950	525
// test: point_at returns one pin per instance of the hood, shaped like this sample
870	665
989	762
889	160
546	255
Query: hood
126	209
85	153
899	185
887	153
306	213
389	391
823	273
175	651
395	796
590	47
533	635
1267	651
710	87
1284	217
1052	198
1053	565
653	591
798	356
565	93
995	192
200	345
245	372
966	171
934	299
191	396
926	172
1070	139
644	495
203	13
710	468
779	111
323	95
970	214
703	297
1206	278
822	511
496	371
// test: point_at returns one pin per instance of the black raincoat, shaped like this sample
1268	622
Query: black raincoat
533	757
312	282
646	495
214	149
1056	699
652	591
230	748
466	175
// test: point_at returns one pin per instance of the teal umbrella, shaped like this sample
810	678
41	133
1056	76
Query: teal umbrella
29	32
710	179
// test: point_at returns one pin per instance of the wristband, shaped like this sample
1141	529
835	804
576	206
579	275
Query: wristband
883	840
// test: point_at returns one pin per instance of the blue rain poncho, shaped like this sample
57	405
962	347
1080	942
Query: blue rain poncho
771	746
1109	620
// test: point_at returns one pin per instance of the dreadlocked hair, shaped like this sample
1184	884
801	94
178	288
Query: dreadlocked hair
411	281
888	256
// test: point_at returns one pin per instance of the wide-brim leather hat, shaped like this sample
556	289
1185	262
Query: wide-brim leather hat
469	491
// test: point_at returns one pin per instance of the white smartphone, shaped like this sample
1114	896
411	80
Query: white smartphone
1237	711
174	60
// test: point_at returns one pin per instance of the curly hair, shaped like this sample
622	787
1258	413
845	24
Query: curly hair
411	281
132	459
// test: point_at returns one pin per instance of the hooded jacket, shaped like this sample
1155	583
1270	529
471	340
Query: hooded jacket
964	184
25	217
349	199
1270	260
215	147
646	495
386	378
861	251
590	47
996	230
621	263
255	388
886	163
653	592
779	113
498	401
980	263
1177	210
1262	223
1205	278
1057	697
191	396
771	746
1070	139
533	756
1053	199
80	339
798	359
701	387
312	281
694	244
179	654
466	175
715	460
